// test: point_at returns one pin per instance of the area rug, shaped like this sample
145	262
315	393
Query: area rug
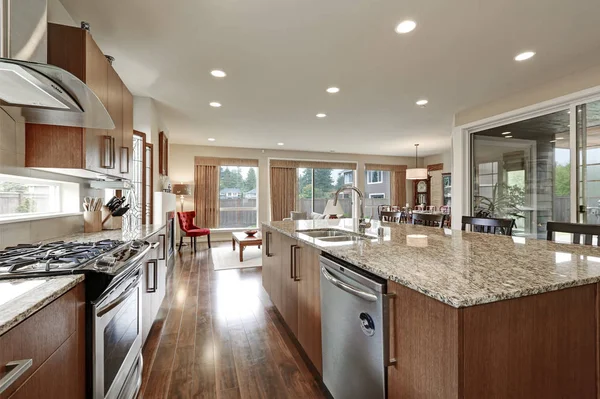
225	258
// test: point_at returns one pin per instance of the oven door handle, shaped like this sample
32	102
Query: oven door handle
120	299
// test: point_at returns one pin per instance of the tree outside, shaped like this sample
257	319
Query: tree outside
562	184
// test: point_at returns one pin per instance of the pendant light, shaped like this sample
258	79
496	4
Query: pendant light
416	173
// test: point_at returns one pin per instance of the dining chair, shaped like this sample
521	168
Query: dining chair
429	219
382	208
588	231
445	209
488	225
419	208
431	208
391	217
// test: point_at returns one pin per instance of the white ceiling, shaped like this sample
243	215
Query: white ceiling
281	55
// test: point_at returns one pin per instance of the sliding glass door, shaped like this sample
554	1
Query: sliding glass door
522	171
588	163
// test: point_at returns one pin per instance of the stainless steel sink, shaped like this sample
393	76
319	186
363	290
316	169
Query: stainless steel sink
343	239
325	233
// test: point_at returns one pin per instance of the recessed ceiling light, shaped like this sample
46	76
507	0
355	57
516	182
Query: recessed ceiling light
524	56
553	141
217	73
406	26
560	138
579	110
505	133
321	115
422	102
215	104
211	139
279	143
333	90
508	137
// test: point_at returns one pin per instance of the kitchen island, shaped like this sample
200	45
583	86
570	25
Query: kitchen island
472	316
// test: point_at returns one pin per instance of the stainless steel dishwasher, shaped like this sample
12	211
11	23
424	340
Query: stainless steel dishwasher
354	329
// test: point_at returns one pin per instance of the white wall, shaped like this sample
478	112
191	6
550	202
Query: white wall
146	119
182	166
58	14
560	87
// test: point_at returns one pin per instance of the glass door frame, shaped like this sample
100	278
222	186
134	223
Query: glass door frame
462	147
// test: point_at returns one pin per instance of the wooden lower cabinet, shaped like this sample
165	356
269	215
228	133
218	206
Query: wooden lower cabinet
289	287
309	303
291	278
54	339
539	346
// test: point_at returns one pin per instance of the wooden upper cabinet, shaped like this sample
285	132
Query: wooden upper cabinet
103	151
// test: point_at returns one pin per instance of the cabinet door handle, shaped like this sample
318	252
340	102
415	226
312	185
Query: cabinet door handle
292	252
295	251
106	155
388	325
124	159
15	370
268	245
163	237
113	153
155	277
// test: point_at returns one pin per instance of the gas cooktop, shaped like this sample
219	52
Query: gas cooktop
107	256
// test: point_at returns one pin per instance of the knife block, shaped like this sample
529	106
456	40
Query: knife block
92	221
110	222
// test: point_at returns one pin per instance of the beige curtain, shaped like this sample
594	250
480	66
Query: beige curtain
379	166
284	163
283	192
398	180
225	161
206	195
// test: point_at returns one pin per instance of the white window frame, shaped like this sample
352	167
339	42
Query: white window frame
66	199
230	195
369	177
371	195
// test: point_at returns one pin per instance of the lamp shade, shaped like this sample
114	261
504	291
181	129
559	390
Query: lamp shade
182	189
331	209
416	173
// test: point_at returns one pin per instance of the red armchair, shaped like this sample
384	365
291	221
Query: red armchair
189	229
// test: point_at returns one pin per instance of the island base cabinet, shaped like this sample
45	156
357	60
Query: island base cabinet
538	346
290	276
289	285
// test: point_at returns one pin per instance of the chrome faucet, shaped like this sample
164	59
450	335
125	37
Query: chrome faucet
362	224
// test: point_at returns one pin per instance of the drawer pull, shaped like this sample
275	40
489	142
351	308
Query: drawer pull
15	370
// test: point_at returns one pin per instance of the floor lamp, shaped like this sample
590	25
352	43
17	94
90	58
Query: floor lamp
182	190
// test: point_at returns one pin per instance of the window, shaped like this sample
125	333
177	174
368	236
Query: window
487	178
374	176
238	197
21	196
148	183
317	186
138	173
377	190
348	177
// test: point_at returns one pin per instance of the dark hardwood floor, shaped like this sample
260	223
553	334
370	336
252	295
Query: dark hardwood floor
218	336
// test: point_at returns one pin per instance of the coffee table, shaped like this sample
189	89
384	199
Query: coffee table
244	241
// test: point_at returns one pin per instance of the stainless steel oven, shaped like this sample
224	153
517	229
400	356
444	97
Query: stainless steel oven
117	339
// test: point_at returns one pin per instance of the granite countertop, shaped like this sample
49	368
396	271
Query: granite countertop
20	298
458	268
139	234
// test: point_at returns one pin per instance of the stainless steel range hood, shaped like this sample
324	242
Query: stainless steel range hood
41	93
